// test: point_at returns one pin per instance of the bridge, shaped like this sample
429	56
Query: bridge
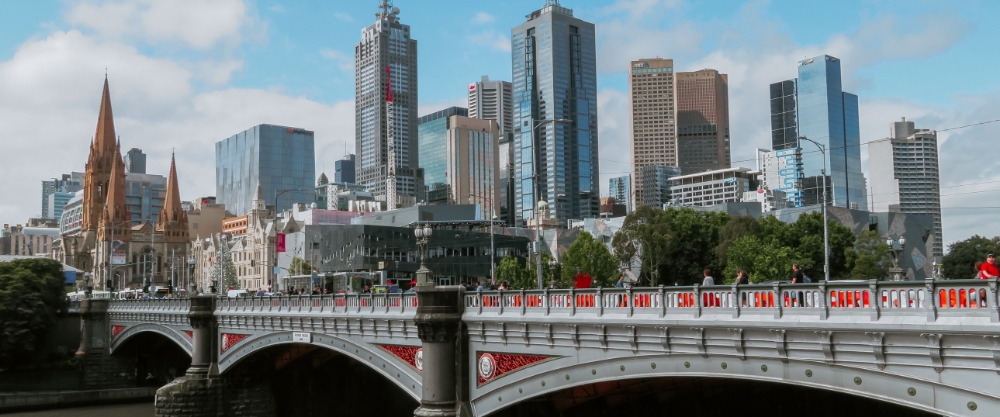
932	346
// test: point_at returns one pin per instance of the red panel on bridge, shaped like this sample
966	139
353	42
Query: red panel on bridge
189	333
116	329
490	365
412	355
230	339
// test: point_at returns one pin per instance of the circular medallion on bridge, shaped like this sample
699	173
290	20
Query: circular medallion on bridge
487	366
418	360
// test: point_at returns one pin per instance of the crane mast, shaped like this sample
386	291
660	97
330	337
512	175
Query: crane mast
390	116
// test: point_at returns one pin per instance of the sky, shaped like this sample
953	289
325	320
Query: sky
185	74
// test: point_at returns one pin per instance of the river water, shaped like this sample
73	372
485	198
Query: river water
114	410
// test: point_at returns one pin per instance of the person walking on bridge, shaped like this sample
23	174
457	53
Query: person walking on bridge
708	278
988	269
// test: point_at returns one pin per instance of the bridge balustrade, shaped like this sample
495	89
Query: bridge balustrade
151	305
335	303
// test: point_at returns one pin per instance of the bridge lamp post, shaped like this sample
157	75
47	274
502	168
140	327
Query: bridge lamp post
896	272
423	239
826	227
535	124
552	270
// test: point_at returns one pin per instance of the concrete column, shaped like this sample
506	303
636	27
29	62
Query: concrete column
438	319
95	331
204	358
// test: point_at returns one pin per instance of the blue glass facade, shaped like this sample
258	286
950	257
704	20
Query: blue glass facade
815	106
554	77
344	170
432	142
144	195
277	157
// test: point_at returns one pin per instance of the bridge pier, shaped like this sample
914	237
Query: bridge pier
439	322
98	368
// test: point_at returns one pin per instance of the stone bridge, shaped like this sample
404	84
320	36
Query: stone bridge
933	345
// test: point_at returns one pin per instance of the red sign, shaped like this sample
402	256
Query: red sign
279	242
472	87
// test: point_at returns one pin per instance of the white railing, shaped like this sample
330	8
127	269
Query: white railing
334	304
166	305
874	298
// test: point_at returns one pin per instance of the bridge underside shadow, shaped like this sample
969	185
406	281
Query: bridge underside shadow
149	359
308	380
700	396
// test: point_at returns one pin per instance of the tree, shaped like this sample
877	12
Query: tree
547	270
32	296
225	272
869	258
738	227
763	261
676	243
511	271
645	238
589	255
962	257
299	266
805	236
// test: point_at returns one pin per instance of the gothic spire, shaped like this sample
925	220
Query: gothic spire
173	219
104	138
116	214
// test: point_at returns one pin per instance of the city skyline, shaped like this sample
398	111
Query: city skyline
202	97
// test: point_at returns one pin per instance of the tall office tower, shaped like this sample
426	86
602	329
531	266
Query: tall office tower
905	175
57	192
651	115
344	170
491	100
472	159
702	120
657	185
620	188
135	161
281	159
432	138
555	79
815	106
506	179
387	43
145	195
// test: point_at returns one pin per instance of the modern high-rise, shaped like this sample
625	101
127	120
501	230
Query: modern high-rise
491	100
472	160
387	49
506	178
279	158
702	120
620	188
652	117
344	170
57	192
905	176
555	115
145	195
135	161
432	137
657	185
815	106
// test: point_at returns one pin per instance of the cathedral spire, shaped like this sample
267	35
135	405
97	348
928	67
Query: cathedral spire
116	214
173	220
104	138
100	164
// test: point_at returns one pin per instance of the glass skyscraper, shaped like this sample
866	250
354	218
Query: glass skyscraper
555	77
277	157
815	106
621	189
344	170
432	139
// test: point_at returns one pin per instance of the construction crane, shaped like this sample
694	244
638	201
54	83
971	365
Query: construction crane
390	116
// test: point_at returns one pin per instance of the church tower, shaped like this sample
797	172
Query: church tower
173	222
115	221
100	164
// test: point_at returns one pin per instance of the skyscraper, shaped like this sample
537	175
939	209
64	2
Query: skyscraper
135	161
652	118
57	192
555	78
432	134
620	188
472	163
905	175
491	100
387	44
279	158
657	185
702	120
815	106
344	170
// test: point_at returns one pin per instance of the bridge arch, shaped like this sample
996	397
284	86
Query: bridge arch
180	338
567	372
380	360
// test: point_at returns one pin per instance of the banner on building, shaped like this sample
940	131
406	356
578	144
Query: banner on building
118	252
279	242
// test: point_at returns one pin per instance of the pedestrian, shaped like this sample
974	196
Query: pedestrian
797	276
260	292
470	287
708	278
504	286
741	277
989	268
621	282
479	285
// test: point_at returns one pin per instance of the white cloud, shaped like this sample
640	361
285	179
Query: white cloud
198	24
343	16
482	17
492	39
344	62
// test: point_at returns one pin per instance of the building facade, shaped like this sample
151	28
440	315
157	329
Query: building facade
135	161
472	163
57	192
702	120
906	177
386	48
344	170
620	188
205	218
279	158
815	106
492	100
713	187
657	185
145	195
555	78
22	240
432	136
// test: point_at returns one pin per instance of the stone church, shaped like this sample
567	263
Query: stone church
115	252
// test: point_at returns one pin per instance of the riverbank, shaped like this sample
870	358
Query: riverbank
21	401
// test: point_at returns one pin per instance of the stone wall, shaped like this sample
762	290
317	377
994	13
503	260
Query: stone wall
107	371
231	395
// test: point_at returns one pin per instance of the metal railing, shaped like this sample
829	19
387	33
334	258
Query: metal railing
334	303
875	298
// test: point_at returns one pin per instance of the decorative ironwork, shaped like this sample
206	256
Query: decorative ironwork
230	339
490	365
116	329
413	355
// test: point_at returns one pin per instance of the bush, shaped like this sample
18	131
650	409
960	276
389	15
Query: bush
31	299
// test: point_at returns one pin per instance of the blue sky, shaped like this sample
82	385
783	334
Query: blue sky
187	74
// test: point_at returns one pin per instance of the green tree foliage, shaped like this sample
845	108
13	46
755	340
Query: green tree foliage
962	257
805	236
300	266
225	271
738	227
509	270
547	271
32	296
645	238
869	258
591	256
763	260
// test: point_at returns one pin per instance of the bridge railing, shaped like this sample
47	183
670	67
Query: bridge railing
164	305
875	298
332	303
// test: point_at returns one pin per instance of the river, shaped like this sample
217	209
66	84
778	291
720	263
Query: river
114	410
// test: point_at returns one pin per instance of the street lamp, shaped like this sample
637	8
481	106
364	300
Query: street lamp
423	239
896	272
552	270
534	181
826	231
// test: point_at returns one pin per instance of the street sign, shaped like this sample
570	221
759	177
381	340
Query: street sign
301	337
381	264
